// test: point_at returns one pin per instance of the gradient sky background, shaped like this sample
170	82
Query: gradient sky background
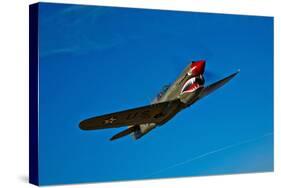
97	60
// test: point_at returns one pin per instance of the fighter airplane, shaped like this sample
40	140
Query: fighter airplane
185	91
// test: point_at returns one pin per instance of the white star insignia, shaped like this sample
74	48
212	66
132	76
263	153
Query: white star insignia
110	120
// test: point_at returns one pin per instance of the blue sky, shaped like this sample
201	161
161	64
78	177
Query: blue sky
97	60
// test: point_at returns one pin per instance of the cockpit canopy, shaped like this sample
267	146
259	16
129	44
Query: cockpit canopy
163	91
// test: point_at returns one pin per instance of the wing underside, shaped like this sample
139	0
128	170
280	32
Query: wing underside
209	89
148	114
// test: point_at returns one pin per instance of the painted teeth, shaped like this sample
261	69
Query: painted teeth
193	80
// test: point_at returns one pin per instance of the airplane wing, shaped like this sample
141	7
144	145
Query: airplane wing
148	114
209	89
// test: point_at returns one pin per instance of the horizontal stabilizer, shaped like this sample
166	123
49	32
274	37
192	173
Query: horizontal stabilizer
124	133
209	89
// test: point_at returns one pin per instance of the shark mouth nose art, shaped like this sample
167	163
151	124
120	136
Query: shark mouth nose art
192	84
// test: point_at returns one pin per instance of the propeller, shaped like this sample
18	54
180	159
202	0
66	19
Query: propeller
210	75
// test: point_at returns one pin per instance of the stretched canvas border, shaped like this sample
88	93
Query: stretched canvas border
33	94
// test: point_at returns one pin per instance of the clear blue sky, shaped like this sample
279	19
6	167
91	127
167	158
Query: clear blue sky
97	60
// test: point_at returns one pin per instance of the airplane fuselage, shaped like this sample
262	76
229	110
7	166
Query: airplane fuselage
186	88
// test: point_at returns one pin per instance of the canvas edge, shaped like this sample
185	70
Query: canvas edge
33	94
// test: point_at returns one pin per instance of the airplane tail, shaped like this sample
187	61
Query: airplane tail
124	133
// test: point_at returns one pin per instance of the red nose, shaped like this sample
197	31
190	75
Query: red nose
197	67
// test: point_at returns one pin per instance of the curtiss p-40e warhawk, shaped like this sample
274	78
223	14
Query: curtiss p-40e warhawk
185	91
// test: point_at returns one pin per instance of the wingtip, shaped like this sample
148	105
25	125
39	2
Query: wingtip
82	125
113	138
234	74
